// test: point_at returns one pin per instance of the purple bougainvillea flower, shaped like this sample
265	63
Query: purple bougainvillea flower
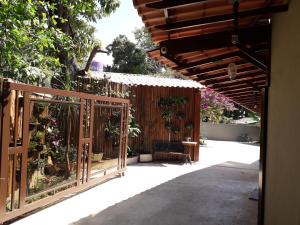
55	143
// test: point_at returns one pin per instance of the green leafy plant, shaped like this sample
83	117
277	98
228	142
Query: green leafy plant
168	107
180	115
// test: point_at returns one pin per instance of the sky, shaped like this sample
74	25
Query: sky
123	21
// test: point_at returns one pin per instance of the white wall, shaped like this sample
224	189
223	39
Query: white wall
229	132
282	206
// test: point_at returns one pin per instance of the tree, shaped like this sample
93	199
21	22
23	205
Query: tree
144	42
50	38
132	58
127	57
143	39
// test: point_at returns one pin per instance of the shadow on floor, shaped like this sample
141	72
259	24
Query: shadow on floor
238	165
217	195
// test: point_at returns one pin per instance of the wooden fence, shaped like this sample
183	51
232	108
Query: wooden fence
47	139
145	101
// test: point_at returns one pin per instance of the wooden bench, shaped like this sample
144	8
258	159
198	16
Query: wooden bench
173	147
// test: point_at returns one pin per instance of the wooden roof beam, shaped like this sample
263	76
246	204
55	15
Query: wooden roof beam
249	103
213	59
247	99
240	76
251	57
222	73
232	96
167	4
221	18
247	88
240	94
244	85
240	72
237	82
253	35
223	66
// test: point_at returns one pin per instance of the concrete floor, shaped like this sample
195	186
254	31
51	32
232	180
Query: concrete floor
214	191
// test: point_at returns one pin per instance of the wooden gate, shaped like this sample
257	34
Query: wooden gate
47	145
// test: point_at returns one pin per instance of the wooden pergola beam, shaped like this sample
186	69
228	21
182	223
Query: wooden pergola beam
247	100
221	18
249	55
232	96
249	103
253	35
241	72
207	60
167	4
240	76
229	91
221	73
223	67
237	82
231	87
240	94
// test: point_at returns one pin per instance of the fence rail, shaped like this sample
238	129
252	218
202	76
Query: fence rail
48	141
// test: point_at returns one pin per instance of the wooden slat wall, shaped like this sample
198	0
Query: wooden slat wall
144	100
152	124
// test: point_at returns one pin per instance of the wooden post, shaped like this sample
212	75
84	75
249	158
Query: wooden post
5	139
79	150
197	108
25	144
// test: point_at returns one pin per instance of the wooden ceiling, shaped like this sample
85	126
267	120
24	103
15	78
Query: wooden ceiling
194	37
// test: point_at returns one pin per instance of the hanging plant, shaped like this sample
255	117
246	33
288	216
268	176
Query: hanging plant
175	129
189	126
167	114
180	115
168	126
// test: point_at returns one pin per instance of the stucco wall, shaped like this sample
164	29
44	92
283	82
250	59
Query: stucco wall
228	132
283	158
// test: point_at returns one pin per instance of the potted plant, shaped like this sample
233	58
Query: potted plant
132	156
146	157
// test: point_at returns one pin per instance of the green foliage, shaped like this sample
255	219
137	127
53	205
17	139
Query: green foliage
168	107
144	42
143	39
172	101
112	130
27	42
133	127
44	39
132	58
127	58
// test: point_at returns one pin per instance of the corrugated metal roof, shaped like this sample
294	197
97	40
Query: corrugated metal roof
145	80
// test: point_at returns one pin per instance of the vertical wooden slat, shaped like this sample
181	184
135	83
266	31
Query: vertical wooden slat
6	103
16	118
25	143
90	151
197	105
13	186
120	140
79	151
127	108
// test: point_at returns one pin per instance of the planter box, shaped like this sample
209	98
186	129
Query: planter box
145	157
132	160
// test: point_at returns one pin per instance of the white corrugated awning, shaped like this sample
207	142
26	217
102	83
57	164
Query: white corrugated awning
145	80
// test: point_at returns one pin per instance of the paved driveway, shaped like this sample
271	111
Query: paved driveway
214	191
